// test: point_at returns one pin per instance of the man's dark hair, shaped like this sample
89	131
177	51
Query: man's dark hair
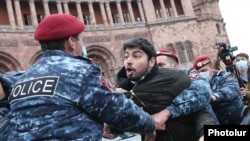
143	44
55	44
243	55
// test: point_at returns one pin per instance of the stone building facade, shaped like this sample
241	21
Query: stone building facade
187	27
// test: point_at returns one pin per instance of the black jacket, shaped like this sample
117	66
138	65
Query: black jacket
151	93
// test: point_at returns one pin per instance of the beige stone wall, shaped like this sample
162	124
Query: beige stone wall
199	24
20	46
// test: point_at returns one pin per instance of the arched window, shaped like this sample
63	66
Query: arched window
218	28
180	52
189	51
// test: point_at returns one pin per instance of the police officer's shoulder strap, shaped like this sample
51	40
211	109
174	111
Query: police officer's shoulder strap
219	73
84	58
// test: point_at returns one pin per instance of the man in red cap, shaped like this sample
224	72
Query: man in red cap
166	58
201	61
61	97
226	99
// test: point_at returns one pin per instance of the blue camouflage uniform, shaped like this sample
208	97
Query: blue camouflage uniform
198	95
62	98
4	122
198	98
229	102
7	80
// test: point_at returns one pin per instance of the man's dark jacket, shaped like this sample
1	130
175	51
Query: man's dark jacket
152	89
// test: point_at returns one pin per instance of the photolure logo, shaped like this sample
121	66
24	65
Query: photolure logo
220	132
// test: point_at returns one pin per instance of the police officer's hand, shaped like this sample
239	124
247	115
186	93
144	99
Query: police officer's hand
120	90
2	94
213	98
201	138
107	132
150	136
161	118
243	91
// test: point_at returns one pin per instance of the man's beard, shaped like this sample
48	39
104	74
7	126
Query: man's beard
134	78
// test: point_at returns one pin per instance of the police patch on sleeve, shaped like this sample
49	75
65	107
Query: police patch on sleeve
42	86
4	121
230	78
193	75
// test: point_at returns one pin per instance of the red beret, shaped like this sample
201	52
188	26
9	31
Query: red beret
58	26
168	53
201	61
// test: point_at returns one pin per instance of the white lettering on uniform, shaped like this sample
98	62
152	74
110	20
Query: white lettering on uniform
42	86
38	88
47	85
17	88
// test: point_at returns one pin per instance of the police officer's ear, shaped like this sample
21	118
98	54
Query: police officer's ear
2	93
176	65
70	45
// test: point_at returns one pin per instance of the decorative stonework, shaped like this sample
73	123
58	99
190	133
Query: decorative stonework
30	42
8	43
125	36
93	39
8	62
197	24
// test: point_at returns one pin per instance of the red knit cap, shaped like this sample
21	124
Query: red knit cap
201	61
58	26
168	53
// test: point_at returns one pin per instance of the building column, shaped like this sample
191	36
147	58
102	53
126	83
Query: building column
118	5
79	10
46	7
92	14
174	9
104	17
66	7
33	12
141	11
187	8
11	14
163	10
59	6
18	14
131	13
109	13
